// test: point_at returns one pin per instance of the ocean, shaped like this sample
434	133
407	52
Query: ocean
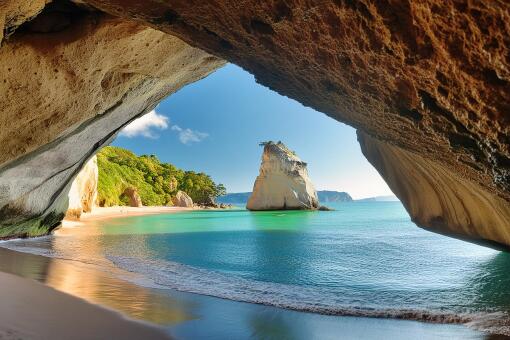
365	259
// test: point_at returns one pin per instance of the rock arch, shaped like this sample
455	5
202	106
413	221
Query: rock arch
426	83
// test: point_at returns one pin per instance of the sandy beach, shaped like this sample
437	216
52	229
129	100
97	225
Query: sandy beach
104	213
56	315
24	314
71	317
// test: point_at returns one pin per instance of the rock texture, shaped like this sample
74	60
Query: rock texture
438	199
83	192
283	182
430	78
66	92
133	198
182	199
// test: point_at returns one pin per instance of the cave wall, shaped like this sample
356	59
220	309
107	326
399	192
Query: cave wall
67	90
438	199
428	78
83	192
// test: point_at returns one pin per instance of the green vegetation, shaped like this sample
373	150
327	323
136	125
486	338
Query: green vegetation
155	182
280	144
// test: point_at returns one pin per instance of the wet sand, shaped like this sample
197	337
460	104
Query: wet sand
181	315
30	310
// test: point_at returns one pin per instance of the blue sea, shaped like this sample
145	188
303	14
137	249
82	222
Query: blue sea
364	259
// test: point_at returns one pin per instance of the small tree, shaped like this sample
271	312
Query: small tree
220	190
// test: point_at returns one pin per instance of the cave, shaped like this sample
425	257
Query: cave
429	101
426	86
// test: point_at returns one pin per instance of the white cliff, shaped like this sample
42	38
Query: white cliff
283	182
83	192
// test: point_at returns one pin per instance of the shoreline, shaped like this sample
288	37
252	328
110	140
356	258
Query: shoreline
124	306
184	327
105	213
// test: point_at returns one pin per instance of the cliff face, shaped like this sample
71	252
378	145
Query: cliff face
132	197
283	182
439	200
428	78
83	192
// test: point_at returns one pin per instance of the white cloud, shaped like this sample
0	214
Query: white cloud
188	136
145	125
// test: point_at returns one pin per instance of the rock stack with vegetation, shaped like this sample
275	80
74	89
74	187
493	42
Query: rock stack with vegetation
154	182
283	182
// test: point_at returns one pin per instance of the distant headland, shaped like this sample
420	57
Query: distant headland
325	196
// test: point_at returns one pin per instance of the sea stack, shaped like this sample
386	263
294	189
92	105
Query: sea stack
283	182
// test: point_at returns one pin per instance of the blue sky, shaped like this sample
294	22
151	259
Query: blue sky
216	124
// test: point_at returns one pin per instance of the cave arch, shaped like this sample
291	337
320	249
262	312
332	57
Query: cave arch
427	85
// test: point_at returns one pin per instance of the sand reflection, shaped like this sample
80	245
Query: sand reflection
100	288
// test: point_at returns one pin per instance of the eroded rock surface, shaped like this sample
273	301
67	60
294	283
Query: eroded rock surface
438	199
83	192
65	94
283	182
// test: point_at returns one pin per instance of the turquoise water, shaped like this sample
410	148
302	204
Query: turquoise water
364	259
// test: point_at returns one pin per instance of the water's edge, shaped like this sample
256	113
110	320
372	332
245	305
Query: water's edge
178	277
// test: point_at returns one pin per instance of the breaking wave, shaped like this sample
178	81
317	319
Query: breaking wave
172	275
300	298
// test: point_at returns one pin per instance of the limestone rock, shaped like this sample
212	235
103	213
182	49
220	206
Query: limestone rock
133	197
283	182
182	199
83	192
13	13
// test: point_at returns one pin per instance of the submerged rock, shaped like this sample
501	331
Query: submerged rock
283	182
83	192
182	199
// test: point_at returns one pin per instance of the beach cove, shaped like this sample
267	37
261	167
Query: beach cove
113	262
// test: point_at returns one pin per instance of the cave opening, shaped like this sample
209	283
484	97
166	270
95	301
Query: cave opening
215	126
147	86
